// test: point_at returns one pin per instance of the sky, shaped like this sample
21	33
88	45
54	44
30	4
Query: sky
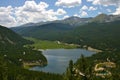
18	12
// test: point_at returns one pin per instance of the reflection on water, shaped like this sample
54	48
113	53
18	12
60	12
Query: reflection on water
58	59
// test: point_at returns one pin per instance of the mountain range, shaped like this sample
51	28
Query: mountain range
77	21
100	32
102	18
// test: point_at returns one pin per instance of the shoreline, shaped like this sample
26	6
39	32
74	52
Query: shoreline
88	48
93	49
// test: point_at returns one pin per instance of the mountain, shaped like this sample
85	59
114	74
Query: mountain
74	21
27	25
102	18
34	24
104	36
8	38
43	31
77	21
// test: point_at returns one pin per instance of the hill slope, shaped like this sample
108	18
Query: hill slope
102	18
8	37
98	35
46	31
11	47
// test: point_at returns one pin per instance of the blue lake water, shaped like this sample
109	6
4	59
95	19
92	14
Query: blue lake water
58	59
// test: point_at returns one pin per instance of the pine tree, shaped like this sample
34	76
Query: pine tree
69	71
3	70
83	67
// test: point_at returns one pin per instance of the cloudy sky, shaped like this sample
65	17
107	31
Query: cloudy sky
17	12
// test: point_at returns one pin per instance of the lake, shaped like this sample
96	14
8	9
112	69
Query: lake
58	59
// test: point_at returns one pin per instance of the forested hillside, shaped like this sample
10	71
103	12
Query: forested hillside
15	60
8	39
104	36
46	31
100	66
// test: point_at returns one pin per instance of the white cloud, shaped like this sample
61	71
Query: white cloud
109	10
89	0
117	12
43	5
31	6
29	12
91	8
68	3
105	2
99	12
6	17
110	2
84	7
32	12
76	15
61	12
84	14
66	16
96	2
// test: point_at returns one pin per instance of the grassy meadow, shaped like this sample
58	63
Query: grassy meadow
44	44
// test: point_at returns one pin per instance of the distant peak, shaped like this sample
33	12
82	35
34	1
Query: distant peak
102	14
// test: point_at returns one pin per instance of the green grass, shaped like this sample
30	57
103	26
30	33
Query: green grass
44	44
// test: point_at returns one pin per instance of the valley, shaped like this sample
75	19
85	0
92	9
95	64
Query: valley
26	50
45	44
